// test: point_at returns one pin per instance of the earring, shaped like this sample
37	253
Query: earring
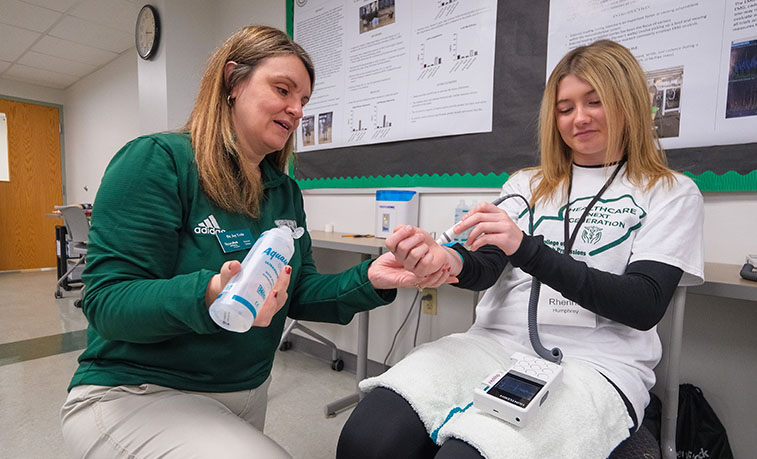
230	100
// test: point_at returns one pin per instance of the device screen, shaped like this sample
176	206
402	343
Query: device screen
515	389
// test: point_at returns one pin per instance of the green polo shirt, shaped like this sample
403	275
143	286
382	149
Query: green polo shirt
152	250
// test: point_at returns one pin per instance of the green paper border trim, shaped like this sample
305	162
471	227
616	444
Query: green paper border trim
729	181
290	17
706	181
435	180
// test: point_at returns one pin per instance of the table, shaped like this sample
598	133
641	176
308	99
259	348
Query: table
723	280
368	248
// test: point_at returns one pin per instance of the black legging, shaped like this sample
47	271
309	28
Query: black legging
384	425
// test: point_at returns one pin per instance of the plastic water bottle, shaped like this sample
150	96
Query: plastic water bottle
237	306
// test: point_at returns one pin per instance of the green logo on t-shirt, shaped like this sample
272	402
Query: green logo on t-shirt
591	234
608	223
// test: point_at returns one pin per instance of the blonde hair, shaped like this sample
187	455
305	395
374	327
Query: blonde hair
228	180
620	83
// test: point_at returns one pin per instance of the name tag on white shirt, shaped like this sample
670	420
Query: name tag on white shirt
555	309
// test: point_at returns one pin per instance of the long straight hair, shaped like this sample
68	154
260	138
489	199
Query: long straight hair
228	180
620	83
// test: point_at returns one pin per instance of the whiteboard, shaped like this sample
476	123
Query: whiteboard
4	172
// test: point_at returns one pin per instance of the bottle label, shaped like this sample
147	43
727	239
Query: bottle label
274	254
246	304
250	287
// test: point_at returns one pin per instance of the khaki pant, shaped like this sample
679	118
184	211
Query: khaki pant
150	421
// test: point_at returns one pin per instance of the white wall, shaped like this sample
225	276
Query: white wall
235	14
730	226
30	92
168	82
129	97
101	114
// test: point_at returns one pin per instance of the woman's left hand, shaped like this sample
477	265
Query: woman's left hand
386	272
491	225
275	300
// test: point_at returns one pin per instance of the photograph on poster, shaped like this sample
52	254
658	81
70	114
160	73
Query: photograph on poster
665	93
324	127
742	80
308	128
376	14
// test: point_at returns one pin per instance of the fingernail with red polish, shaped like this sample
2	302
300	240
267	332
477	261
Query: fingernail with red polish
275	294
288	269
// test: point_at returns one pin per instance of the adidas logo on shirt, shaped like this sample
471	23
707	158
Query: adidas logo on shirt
208	226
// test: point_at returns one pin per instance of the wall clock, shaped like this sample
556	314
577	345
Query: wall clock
147	32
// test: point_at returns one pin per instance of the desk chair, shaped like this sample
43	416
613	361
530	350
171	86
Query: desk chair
77	229
337	364
642	444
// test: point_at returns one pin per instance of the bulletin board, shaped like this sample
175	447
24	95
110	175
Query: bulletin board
487	159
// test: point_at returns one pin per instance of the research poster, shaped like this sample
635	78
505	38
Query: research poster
390	70
699	57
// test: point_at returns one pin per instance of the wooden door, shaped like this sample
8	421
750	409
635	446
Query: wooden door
27	236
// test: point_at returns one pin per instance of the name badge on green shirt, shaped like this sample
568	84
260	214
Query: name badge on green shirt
232	241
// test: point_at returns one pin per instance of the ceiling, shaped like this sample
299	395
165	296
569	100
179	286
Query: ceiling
54	43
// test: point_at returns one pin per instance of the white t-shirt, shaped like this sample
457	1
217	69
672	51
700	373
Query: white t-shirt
627	224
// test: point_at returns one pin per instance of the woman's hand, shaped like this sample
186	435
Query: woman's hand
276	299
219	281
418	253
491	225
386	272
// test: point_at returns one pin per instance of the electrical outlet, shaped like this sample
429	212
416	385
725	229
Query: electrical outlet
428	301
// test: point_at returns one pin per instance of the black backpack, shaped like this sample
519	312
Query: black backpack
699	432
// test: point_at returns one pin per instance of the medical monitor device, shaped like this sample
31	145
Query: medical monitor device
516	395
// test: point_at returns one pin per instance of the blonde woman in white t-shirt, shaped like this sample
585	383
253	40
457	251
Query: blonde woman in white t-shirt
633	230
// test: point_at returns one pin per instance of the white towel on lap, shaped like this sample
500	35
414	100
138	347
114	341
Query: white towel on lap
584	418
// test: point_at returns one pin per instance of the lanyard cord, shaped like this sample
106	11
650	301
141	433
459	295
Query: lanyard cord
555	354
570	239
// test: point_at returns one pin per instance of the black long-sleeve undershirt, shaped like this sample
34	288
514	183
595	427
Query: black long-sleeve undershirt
638	298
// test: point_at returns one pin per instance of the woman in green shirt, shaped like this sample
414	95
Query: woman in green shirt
159	378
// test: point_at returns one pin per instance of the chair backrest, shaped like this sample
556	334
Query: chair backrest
77	224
